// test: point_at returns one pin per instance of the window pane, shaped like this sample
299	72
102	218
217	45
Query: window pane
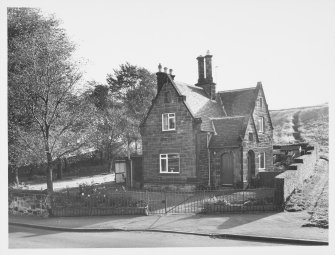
172	123
262	165
173	163
163	165
165	122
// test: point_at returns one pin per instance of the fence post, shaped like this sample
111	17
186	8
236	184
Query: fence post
243	201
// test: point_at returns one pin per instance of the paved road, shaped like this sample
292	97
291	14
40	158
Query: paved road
62	184
22	237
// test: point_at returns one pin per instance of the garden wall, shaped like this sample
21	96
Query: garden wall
298	172
35	203
28	203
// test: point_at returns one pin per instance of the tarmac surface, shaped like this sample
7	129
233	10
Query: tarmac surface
283	227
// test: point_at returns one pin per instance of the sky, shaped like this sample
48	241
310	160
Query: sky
287	45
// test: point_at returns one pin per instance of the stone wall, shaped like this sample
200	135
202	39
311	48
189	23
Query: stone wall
202	158
182	140
36	204
265	139
294	178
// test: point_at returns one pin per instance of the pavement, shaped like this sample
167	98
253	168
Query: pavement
283	227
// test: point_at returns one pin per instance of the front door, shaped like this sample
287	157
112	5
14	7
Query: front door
251	166
227	169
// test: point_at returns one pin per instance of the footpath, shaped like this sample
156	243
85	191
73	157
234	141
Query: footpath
283	227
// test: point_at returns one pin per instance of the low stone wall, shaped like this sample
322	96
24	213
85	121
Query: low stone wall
170	187
298	172
267	179
82	211
36	204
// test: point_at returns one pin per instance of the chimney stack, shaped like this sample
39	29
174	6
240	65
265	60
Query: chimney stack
206	83
201	70
161	77
208	59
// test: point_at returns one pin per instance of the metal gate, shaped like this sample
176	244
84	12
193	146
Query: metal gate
219	201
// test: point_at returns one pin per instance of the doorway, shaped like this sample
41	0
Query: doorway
227	169
251	166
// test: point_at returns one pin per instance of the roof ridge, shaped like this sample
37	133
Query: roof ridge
189	85
227	117
233	90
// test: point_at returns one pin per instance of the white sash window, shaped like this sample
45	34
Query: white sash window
168	121
169	163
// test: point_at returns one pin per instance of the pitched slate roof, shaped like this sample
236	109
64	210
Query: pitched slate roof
239	102
200	105
228	131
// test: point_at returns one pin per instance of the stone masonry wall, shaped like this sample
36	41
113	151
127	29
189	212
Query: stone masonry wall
265	143
293	179
156	142
28	204
202	160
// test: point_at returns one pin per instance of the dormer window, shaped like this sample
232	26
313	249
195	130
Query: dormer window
168	121
261	124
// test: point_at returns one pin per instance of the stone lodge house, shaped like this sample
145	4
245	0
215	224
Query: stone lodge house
194	136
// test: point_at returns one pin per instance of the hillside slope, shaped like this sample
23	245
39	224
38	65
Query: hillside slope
303	124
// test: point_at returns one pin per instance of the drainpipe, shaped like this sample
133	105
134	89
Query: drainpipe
209	160
242	166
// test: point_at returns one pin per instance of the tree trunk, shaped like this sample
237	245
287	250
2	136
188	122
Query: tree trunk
16	175
59	169
49	173
136	146
66	166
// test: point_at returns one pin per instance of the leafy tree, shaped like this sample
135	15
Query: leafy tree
41	84
107	123
134	88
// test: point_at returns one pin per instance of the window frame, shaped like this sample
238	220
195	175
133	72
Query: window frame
259	161
166	157
261	122
260	102
168	121
251	135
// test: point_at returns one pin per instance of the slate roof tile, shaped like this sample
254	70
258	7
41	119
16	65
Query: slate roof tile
228	131
200	105
239	102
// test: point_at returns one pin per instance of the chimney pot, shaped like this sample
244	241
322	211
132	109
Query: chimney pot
159	67
170	71
165	69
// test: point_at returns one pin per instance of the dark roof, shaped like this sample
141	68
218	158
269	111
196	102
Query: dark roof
228	131
200	105
239	102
